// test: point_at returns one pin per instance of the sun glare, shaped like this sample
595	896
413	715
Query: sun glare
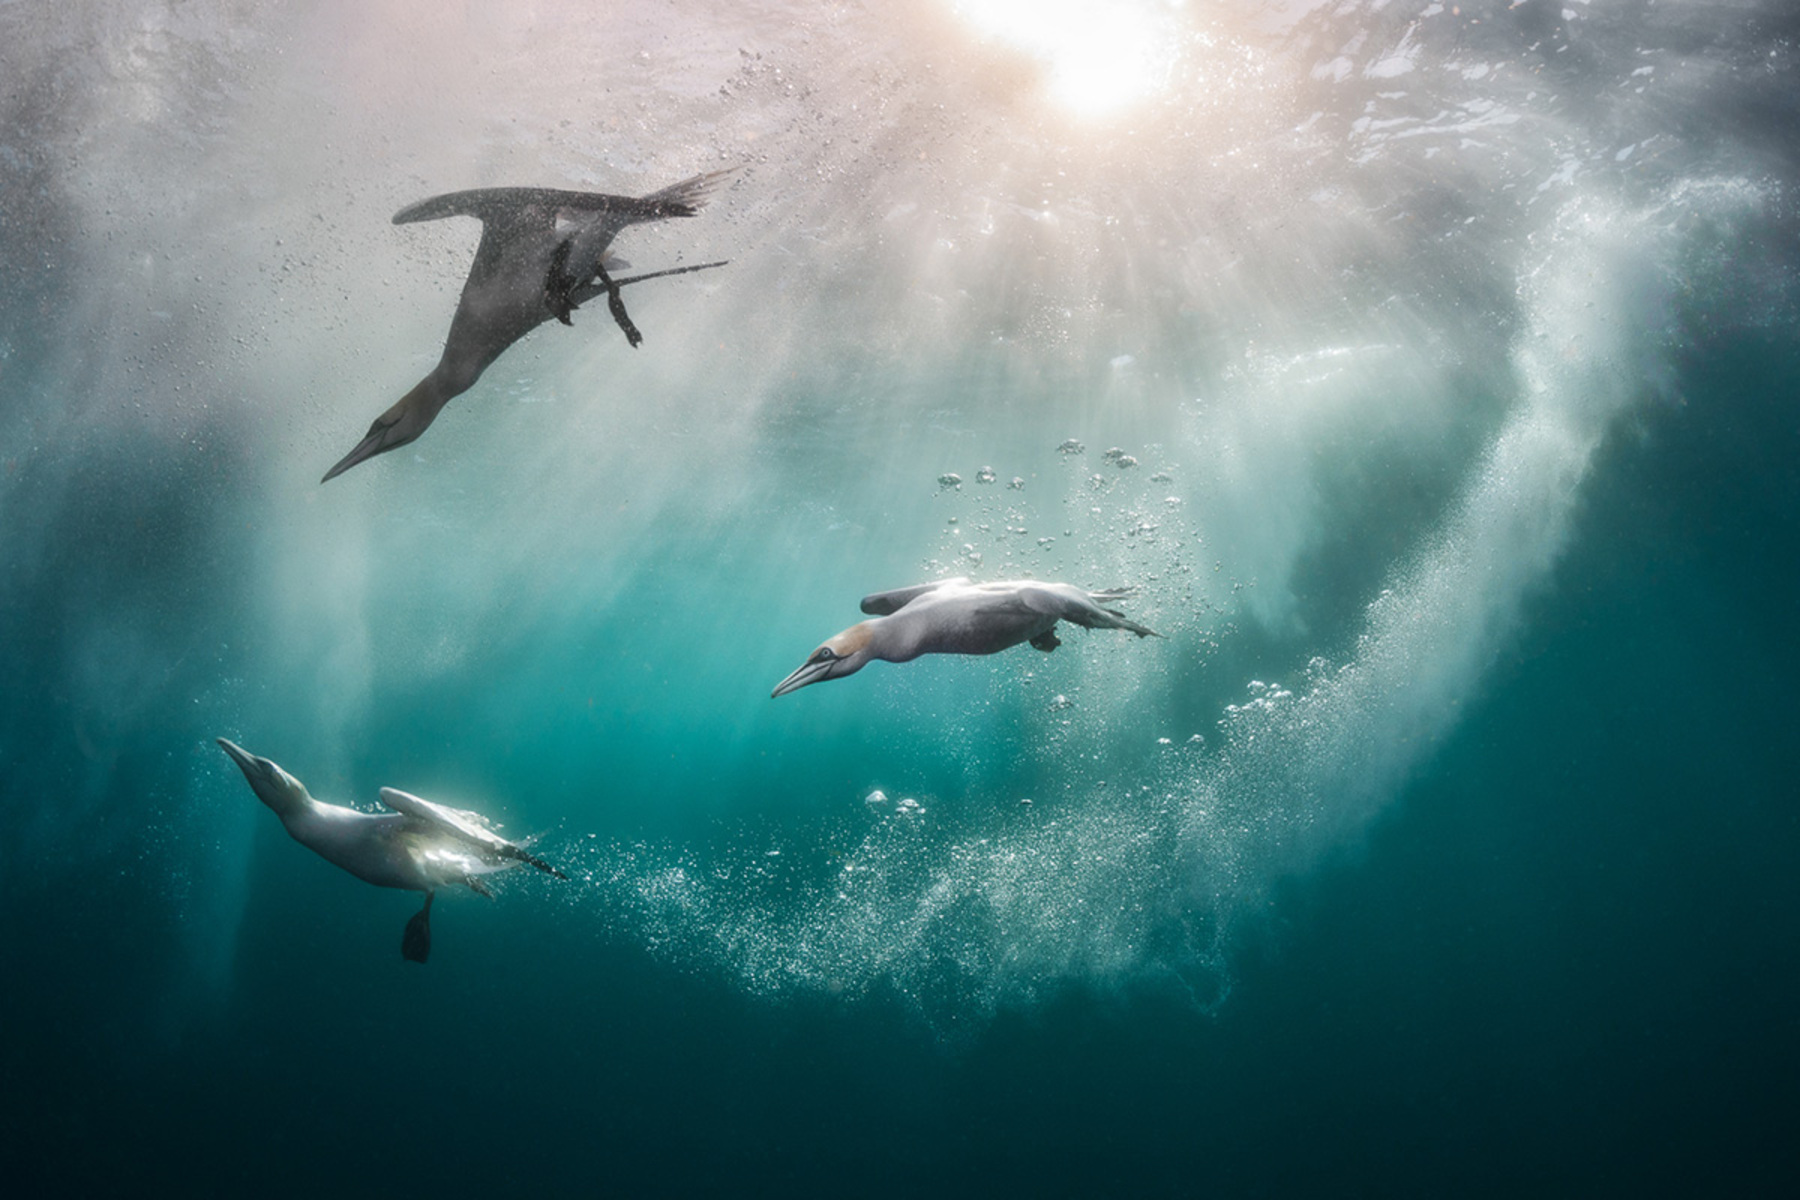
1099	55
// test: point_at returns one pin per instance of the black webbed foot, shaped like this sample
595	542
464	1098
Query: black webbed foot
415	943
617	305
559	283
1046	641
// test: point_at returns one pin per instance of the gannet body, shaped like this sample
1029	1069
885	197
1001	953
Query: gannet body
954	616
417	846
543	252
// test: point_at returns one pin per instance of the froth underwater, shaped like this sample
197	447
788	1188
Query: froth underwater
954	597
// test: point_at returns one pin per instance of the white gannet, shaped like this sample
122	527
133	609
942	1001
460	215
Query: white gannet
543	252
418	846
954	616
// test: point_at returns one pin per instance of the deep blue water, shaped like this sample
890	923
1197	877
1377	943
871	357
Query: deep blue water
1446	845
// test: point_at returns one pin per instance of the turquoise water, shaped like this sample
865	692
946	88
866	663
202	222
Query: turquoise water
1444	843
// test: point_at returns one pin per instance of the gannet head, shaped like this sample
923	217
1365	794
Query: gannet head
842	655
272	785
409	417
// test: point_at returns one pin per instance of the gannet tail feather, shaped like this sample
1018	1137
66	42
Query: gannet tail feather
1085	609
686	198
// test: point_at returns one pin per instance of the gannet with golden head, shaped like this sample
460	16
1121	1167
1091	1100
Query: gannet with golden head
417	846
954	616
543	252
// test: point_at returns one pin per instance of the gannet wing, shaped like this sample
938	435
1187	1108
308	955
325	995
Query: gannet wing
886	604
468	827
524	231
481	203
1073	605
543	219
682	199
507	205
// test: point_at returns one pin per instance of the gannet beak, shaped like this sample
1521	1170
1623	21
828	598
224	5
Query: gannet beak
410	416
380	439
246	761
262	775
272	785
809	672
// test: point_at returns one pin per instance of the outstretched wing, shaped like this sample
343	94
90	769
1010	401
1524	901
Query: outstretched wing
886	604
683	199
536	239
469	827
504	205
1077	607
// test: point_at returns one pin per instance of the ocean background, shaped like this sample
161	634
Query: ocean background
1446	845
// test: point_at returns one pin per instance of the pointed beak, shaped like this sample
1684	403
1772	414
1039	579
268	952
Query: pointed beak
245	760
272	785
410	416
809	672
378	441
259	773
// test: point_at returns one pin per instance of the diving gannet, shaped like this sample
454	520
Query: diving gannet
543	252
418	846
954	616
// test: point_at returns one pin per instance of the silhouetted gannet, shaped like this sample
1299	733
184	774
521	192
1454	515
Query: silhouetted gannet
954	616
543	252
419	846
